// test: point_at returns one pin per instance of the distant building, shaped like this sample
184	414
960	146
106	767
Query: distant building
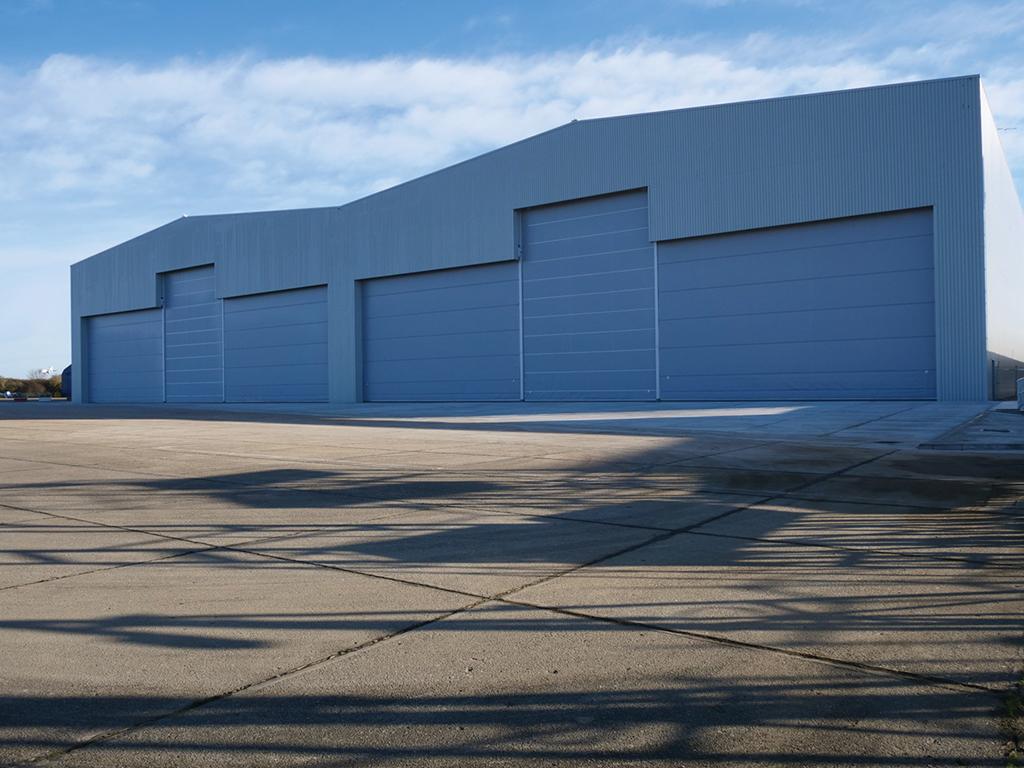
862	244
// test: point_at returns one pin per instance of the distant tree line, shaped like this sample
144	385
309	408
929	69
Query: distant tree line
32	387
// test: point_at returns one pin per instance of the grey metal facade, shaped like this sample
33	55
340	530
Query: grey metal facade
706	171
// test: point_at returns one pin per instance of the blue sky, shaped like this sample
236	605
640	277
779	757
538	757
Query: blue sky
116	117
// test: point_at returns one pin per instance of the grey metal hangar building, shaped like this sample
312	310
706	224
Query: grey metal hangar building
862	244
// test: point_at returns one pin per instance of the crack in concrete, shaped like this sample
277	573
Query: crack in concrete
197	703
868	421
200	545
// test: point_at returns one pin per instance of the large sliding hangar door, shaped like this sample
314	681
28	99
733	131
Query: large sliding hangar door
452	334
193	337
275	347
840	309
125	357
588	300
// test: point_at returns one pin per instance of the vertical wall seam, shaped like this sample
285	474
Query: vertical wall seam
936	307
657	329
522	334
358	375
517	235
163	350
223	366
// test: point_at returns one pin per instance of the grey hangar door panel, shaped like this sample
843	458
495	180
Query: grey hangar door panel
450	334
125	357
840	309
193	349
588	300
275	347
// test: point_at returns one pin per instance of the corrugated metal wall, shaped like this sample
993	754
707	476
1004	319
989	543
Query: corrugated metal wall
588	300
446	335
275	347
840	309
126	358
193	337
708	171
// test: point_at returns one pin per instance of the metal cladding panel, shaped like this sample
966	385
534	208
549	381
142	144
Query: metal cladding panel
193	337
126	361
832	310
275	347
588	300
446	335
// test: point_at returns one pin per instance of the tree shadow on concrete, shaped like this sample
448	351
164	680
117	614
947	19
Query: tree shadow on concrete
668	716
769	583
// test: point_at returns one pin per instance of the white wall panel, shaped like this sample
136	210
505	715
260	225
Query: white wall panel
1004	258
